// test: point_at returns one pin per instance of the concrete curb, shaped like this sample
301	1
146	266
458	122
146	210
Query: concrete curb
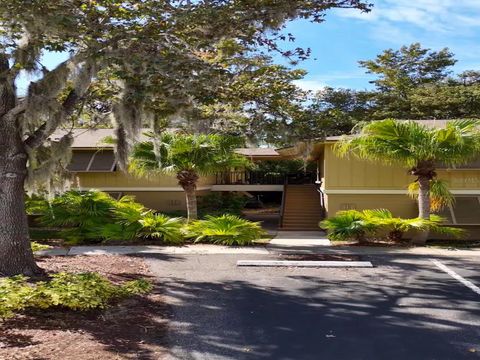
203	249
300	263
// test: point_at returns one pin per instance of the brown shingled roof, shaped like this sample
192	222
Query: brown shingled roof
93	138
257	152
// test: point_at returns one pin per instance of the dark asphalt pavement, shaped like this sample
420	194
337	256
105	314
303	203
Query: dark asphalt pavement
404	308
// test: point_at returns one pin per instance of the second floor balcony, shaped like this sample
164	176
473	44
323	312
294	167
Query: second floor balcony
258	181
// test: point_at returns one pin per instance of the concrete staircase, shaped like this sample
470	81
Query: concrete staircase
301	208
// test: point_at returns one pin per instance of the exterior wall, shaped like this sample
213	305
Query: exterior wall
160	193
120	181
354	174
400	205
167	201
350	183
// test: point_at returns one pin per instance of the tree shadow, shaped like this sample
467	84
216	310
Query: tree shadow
399	311
311	317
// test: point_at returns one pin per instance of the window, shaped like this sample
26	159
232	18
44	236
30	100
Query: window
465	211
92	160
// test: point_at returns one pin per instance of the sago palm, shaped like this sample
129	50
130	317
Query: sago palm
416	147
187	157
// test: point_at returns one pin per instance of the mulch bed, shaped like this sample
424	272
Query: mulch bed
132	329
319	257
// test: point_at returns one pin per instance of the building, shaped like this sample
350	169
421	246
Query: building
306	198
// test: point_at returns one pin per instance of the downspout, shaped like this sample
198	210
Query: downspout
318	185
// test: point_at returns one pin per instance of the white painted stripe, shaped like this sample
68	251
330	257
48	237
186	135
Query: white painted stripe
460	278
301	263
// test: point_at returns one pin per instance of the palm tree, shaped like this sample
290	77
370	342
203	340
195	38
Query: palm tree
418	148
188	157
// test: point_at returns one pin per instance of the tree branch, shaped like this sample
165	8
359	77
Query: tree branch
46	130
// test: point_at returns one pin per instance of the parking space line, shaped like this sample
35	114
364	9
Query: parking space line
456	276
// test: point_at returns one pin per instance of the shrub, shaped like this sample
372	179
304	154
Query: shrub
94	216
126	214
222	203
353	224
348	224
162	227
82	213
397	227
39	247
226	230
84	291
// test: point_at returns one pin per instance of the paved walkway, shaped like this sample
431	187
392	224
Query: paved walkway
294	239
276	247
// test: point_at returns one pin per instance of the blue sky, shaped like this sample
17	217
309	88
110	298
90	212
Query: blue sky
349	35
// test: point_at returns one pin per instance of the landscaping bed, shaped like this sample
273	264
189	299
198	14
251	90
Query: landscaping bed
131	329
319	257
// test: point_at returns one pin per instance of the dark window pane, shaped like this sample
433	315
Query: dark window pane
80	160
103	161
467	210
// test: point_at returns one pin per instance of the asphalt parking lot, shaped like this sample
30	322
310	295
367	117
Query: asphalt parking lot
406	307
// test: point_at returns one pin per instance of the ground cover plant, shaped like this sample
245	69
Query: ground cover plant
226	230
362	225
128	328
94	216
84	291
39	247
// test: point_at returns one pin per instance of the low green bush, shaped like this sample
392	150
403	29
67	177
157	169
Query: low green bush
359	225
162	227
39	247
79	292
225	230
93	216
347	225
216	204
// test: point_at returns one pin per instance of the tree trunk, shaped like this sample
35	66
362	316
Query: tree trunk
424	198
191	197
187	179
423	207
16	255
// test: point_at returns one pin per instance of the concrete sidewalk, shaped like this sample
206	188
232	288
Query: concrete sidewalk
295	239
275	248
197	249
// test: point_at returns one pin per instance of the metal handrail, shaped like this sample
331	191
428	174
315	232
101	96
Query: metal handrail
249	178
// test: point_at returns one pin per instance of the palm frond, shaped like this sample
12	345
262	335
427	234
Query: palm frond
226	230
440	195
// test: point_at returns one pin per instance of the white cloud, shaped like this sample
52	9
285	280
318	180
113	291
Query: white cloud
439	16
310	85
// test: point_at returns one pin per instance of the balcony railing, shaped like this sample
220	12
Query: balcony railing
262	178
249	178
